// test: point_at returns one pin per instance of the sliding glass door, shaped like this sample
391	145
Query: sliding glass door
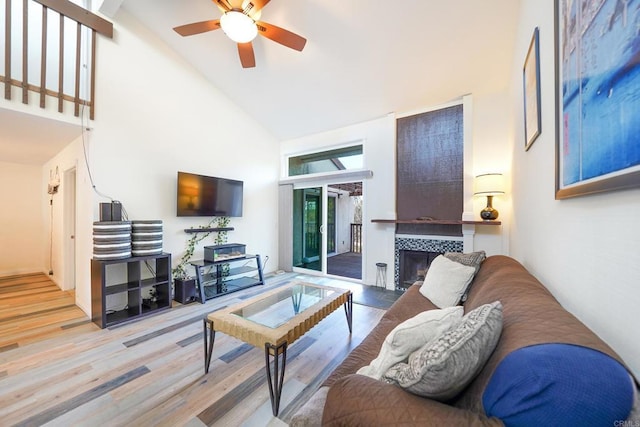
307	228
324	220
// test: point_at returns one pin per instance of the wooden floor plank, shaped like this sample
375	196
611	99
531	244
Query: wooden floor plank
41	297
23	278
56	366
66	406
16	295
33	308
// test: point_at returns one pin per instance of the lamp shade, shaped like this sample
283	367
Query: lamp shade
238	27
489	184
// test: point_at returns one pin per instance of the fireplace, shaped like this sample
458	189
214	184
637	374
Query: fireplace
414	254
413	266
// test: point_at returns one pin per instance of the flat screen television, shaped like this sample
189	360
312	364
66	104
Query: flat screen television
200	195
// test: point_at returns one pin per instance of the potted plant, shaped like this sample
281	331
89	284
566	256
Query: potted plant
185	284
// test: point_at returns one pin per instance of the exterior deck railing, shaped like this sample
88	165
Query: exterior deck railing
356	238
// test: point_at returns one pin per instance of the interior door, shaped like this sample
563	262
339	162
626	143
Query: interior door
69	229
307	228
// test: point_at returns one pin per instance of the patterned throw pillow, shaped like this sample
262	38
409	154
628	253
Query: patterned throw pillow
472	259
443	367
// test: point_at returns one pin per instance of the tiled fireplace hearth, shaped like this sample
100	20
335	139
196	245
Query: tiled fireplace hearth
409	264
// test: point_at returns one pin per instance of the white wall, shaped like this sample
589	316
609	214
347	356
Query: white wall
22	233
71	157
491	133
585	250
155	115
378	137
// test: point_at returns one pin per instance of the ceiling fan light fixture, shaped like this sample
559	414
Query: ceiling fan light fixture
238	27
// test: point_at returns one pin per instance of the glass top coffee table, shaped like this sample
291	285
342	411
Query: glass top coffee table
274	320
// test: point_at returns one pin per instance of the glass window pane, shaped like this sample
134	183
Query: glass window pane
327	161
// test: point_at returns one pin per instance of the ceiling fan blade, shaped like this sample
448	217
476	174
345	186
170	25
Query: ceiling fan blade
198	27
282	36
255	6
247	58
223	5
235	4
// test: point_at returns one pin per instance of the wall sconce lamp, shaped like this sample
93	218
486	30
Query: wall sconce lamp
489	184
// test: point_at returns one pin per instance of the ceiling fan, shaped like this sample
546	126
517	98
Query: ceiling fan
240	23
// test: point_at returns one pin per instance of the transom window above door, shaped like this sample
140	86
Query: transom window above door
339	159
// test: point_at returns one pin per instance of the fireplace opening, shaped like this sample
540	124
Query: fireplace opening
413	266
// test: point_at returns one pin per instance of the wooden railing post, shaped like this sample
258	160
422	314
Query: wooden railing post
25	52
43	64
61	66
76	99
92	103
7	50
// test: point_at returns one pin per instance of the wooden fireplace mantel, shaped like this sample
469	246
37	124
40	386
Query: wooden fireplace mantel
434	221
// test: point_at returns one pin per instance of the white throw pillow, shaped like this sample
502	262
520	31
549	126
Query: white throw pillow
446	281
409	336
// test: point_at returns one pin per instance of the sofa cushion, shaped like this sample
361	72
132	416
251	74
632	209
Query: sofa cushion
446	281
409	336
443	367
356	400
535	382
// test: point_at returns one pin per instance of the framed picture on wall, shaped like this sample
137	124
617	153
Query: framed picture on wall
531	85
597	45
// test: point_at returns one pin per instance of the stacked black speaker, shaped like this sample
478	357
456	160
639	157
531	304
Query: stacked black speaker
146	237
111	240
117	239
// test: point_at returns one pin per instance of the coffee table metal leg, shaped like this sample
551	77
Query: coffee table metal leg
275	388
348	309
208	342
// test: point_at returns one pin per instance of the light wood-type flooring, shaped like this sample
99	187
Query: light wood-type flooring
59	369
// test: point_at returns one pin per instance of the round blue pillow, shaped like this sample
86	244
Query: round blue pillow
559	385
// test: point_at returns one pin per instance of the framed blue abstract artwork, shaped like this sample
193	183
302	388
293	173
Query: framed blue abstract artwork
597	52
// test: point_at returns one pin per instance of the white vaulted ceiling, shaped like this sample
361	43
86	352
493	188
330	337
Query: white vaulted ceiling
363	58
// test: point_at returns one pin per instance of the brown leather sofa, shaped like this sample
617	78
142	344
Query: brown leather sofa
531	315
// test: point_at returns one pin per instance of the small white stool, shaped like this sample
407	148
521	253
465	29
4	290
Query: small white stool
381	275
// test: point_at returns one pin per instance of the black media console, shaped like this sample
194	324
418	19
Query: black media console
217	278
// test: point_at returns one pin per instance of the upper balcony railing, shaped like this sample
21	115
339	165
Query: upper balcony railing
70	49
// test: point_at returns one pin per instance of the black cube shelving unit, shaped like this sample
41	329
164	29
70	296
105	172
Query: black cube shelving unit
120	289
